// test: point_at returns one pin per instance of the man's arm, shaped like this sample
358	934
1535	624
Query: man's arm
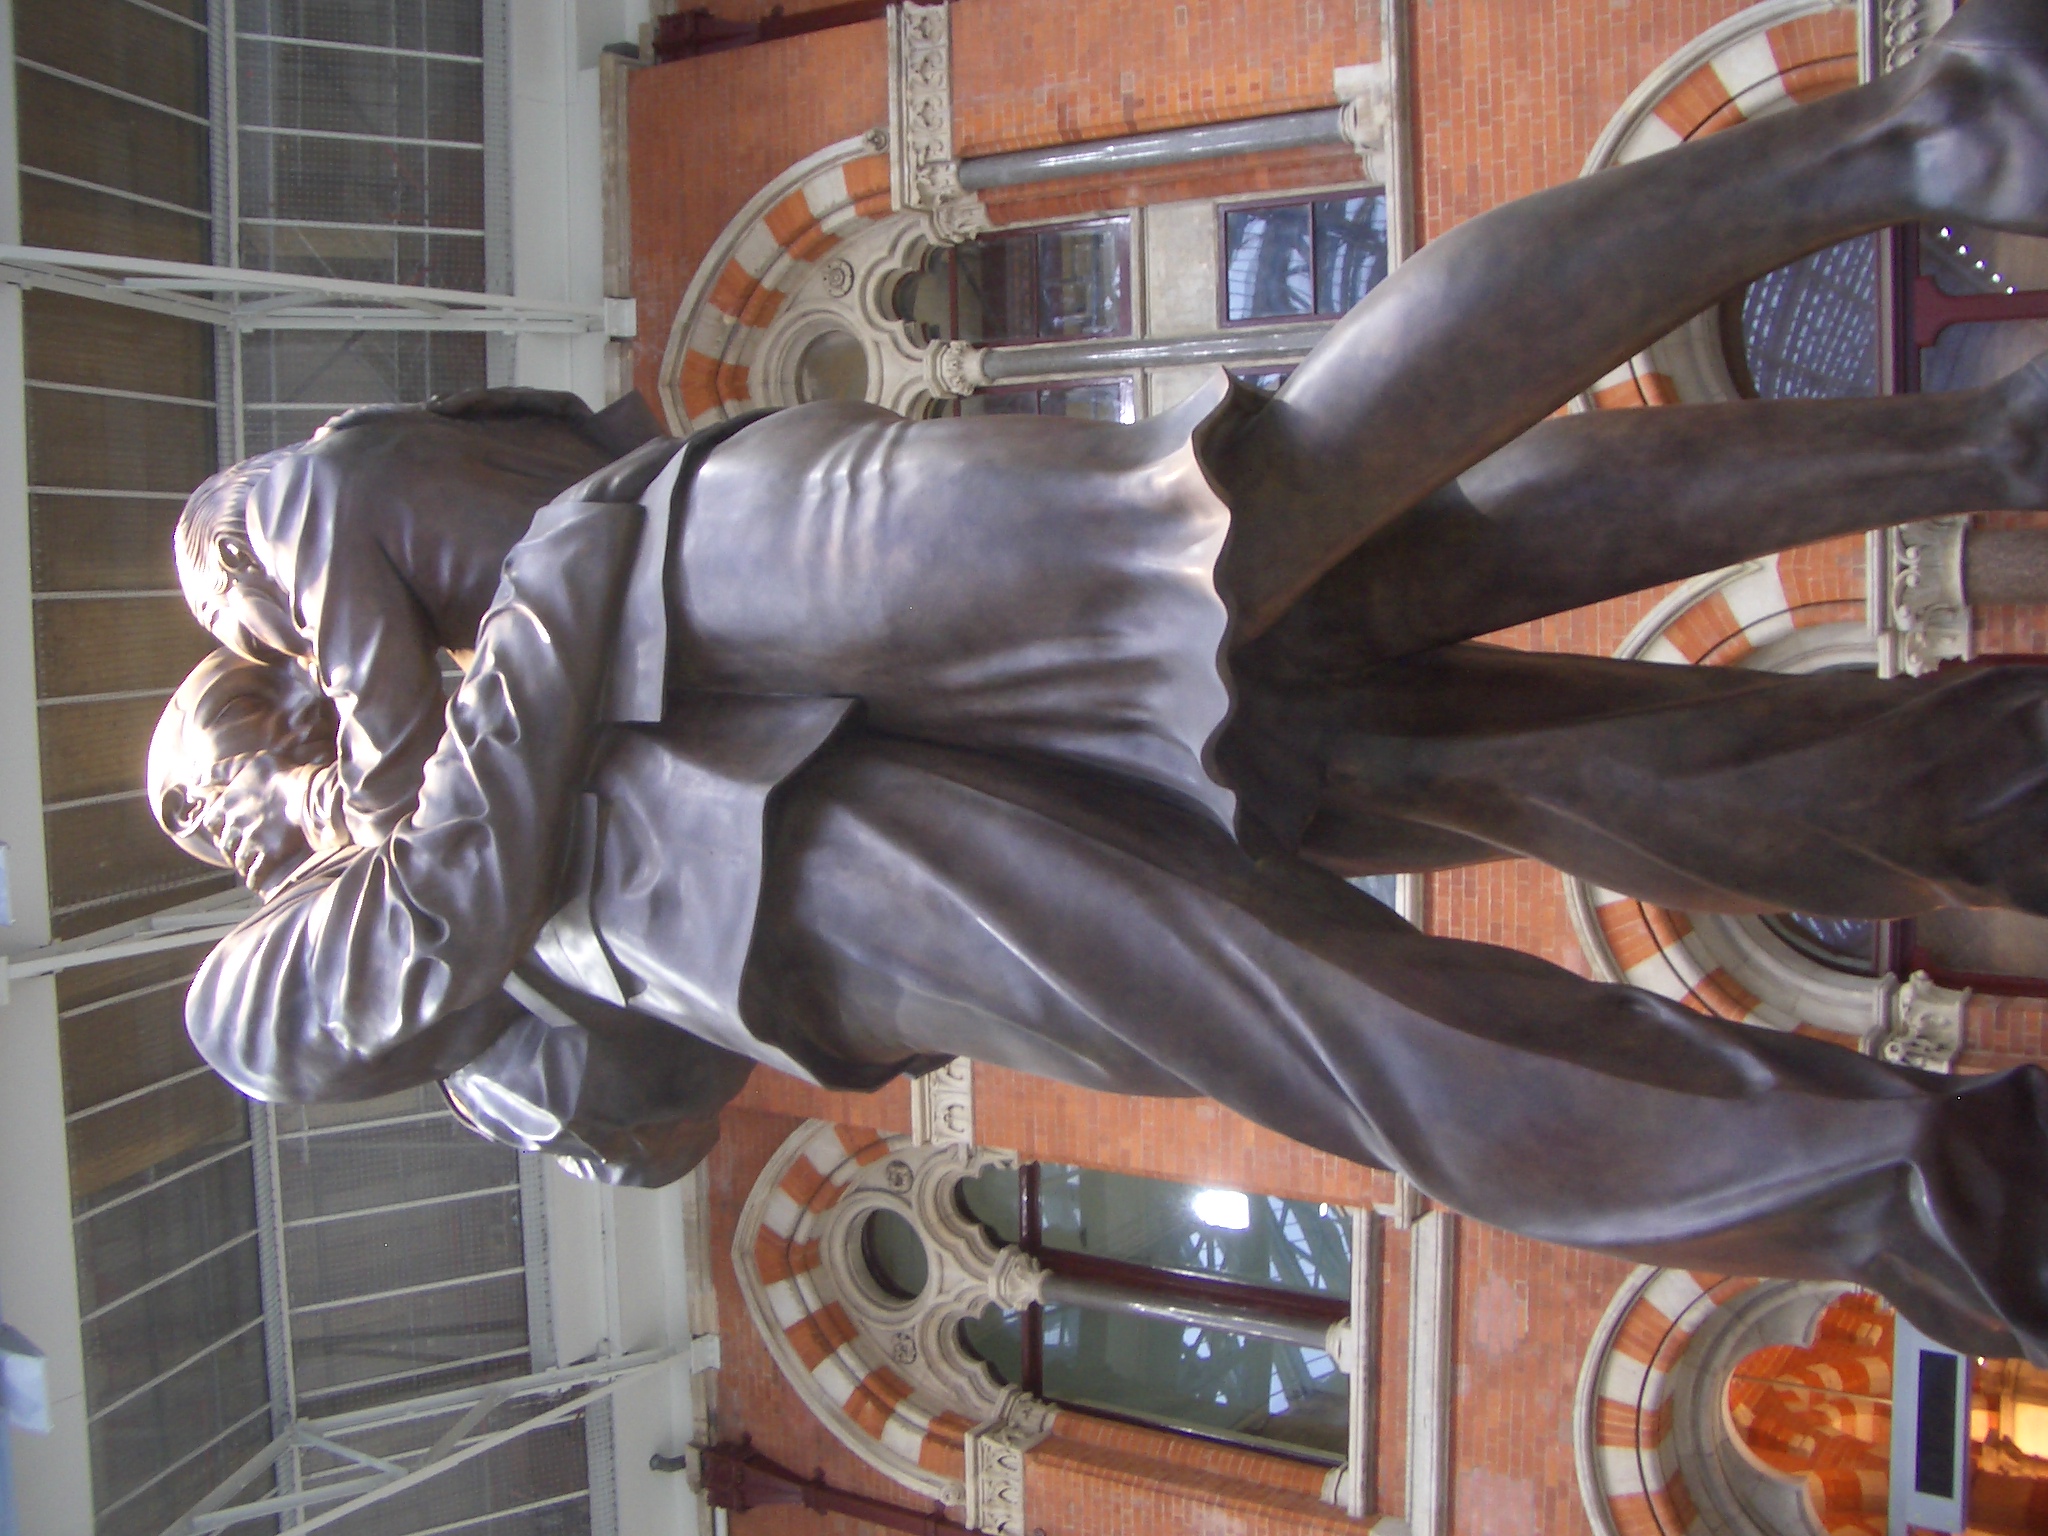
392	958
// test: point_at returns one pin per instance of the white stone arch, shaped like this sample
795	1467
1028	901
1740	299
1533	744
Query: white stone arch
1650	1432
890	1377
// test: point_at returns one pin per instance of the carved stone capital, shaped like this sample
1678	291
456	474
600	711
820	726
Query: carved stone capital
924	173
942	1105
1903	25
995	1465
955	368
1926	618
1016	1280
1367	111
1922	1024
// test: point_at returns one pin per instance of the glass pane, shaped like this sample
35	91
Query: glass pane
1351	249
996	281
371	1339
1000	402
1081	282
1258	1239
990	1197
1202	1378
1267	268
1809	330
1098	400
1268	379
1840	943
388	1165
1980	352
997	1337
391	1250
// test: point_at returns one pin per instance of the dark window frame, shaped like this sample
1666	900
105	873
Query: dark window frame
1294	1306
1308	200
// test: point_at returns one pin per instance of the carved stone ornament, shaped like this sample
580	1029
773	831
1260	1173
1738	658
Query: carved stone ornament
836	277
954	368
995	1466
1366	115
923	171
1923	1024
942	1105
1903	25
804	1272
1926	619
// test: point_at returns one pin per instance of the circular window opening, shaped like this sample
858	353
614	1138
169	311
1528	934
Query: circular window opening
894	1256
1807	331
833	366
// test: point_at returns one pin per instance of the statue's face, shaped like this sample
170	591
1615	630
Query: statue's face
247	808
230	765
248	611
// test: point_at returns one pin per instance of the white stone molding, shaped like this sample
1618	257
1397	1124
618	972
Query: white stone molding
942	1105
1432	1386
1903	25
1649	1423
1366	91
924	173
955	368
1920	615
995	1465
1921	1024
904	1361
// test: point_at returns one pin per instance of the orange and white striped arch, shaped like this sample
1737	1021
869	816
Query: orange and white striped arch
839	1368
1759	61
763	256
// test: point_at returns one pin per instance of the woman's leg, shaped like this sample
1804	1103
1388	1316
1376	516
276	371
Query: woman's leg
921	901
1495	324
1590	507
1708	788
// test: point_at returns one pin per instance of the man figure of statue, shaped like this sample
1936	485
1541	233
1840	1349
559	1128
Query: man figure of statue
1039	741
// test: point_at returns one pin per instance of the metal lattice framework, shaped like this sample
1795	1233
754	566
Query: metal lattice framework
577	1387
243	299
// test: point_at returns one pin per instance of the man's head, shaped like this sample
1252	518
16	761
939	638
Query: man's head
227	765
239	602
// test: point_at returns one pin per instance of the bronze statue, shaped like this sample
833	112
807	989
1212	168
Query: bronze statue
1024	739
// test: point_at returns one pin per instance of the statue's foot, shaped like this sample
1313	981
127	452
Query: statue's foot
1977	110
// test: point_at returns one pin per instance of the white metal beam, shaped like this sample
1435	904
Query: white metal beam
244	299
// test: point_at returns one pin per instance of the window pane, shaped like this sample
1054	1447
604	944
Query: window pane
1000	402
1200	1378
1266	262
1098	400
990	1197
997	277
1351	249
1258	1239
1081	281
1809	330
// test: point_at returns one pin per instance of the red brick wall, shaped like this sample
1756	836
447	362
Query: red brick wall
706	134
1033	72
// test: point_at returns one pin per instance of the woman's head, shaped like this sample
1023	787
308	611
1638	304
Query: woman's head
238	602
225	780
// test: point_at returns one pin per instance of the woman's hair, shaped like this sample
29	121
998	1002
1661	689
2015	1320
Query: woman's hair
218	508
226	707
